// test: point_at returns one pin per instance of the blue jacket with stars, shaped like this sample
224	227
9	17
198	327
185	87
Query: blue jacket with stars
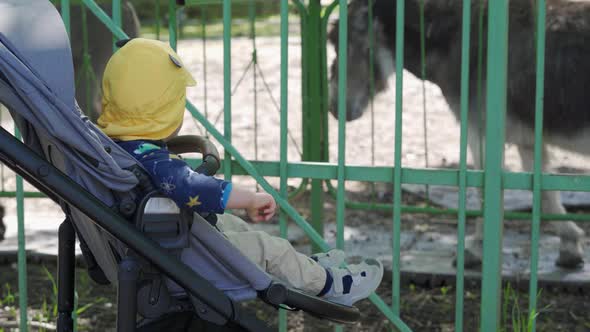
175	179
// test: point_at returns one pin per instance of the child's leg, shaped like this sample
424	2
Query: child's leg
230	223
277	257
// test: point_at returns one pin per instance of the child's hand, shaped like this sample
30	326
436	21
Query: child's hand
263	207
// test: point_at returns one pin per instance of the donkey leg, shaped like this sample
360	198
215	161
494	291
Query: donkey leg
571	251
571	236
474	242
473	247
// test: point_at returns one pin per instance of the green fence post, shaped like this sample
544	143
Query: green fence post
342	62
397	172
497	60
22	253
252	19
315	116
157	14
172	24
538	154
116	19
227	85
65	14
203	9
305	112
284	128
465	35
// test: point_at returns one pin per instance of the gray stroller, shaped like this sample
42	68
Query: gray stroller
106	199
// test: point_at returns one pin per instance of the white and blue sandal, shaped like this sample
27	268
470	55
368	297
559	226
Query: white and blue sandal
332	258
354	282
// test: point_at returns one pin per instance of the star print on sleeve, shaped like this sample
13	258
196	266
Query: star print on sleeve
188	189
193	201
167	185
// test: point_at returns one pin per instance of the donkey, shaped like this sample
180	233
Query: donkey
567	78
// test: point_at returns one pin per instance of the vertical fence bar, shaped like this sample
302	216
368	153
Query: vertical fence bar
87	70
252	19
342	63
343	46
397	171
497	60
284	128
372	90
303	14
204	46
315	112
465	35
172	24
227	85
116	19
157	14
538	155
424	104
479	92
65	14
22	253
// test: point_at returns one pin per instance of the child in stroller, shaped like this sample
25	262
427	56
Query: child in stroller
144	95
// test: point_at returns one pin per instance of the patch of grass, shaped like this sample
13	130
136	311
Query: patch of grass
49	310
7	298
514	318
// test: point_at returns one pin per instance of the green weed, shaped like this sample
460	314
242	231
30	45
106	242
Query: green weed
514	318
7	298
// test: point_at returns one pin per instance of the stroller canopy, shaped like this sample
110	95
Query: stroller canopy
36	61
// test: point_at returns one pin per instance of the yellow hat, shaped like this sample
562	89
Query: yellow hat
144	91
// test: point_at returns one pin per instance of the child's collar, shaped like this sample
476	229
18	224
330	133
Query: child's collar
159	143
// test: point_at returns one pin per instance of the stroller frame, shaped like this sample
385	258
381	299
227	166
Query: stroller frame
58	186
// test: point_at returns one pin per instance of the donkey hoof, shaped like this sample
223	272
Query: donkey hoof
471	260
568	260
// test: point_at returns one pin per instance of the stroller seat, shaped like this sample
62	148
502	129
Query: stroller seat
134	246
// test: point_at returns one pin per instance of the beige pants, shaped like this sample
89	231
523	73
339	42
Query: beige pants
274	254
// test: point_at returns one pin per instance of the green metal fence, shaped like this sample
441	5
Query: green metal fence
493	179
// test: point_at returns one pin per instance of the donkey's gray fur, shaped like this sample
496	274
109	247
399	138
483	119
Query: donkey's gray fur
567	80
